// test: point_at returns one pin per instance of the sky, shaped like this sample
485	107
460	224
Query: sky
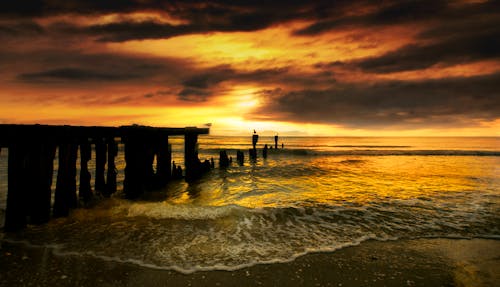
333	68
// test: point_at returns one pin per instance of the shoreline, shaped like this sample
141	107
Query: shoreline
413	262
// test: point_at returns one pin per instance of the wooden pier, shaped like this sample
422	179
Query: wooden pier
32	149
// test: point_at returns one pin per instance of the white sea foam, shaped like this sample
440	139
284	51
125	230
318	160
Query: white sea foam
180	211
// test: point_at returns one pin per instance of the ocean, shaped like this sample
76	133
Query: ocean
318	194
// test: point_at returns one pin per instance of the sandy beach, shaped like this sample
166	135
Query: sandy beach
421	262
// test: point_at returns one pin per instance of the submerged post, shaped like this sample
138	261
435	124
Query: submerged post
40	170
191	155
16	211
85	190
65	197
100	165
111	173
253	152
132	184
163	159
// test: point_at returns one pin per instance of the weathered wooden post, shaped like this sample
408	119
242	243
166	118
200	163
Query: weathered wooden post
253	151
240	157
85	190
100	165
276	141
40	170
223	159
163	159
191	155
65	196
15	213
147	160
111	173
131	185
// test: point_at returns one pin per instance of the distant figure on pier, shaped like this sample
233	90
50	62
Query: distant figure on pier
276	141
174	170
264	151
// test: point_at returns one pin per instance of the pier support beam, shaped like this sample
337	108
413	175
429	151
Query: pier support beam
40	171
139	157
85	177
111	173
30	179
65	197
15	213
100	165
191	156
163	161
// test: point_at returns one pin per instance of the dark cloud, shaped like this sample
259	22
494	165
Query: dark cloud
459	45
444	44
22	28
227	15
204	84
401	12
194	94
74	66
390	103
75	74
197	16
481	45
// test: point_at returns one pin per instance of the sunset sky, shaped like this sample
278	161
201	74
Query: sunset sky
340	68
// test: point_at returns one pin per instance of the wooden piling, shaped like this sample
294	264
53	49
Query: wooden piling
223	159
65	196
40	171
163	159
139	157
16	211
100	165
191	156
132	186
85	190
111	172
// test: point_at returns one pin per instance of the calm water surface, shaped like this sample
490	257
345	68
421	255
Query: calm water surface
318	194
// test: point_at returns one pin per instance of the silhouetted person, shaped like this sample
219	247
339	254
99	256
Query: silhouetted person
212	164
282	145
276	141
264	151
174	170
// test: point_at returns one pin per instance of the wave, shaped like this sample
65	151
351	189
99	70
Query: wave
59	251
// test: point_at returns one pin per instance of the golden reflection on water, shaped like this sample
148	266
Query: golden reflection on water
340	180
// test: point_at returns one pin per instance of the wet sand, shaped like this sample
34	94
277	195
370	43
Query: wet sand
422	262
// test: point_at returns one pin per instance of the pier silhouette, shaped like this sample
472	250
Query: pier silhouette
31	153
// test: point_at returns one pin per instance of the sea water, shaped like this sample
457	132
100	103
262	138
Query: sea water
318	194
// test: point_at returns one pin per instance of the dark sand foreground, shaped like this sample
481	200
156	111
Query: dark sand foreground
422	262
